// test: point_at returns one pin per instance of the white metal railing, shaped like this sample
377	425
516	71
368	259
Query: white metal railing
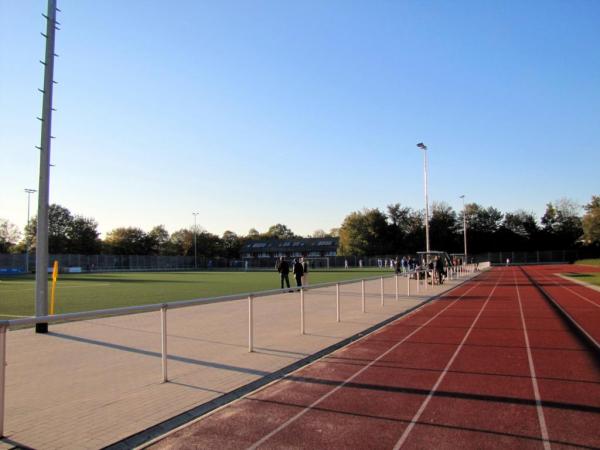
5	325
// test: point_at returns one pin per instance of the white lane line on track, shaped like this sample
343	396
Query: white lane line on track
320	399
417	415
583	297
536	390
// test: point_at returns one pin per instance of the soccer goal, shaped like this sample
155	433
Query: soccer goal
318	263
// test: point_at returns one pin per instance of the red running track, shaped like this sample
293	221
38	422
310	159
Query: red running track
580	302
489	365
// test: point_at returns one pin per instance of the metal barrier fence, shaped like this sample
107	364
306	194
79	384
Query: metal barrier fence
423	277
123	263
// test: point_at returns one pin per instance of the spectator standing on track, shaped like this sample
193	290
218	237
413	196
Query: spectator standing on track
284	270
298	272
305	271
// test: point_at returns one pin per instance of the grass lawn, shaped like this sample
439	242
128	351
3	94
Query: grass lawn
589	262
592	278
85	292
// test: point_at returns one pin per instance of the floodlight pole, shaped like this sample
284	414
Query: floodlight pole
425	173
195	214
27	243
41	252
465	227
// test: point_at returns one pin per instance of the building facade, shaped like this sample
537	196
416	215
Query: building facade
290	248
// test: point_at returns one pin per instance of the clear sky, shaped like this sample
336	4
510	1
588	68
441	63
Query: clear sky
299	112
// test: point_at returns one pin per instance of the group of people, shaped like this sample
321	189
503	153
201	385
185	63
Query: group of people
299	268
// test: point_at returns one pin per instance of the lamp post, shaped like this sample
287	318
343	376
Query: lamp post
425	170
195	214
29	192
465	227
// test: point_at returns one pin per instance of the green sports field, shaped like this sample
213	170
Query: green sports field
85	292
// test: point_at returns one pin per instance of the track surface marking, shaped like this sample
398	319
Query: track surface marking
489	365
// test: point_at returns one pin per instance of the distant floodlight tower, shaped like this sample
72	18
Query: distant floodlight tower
465	227
41	252
195	214
425	170
27	243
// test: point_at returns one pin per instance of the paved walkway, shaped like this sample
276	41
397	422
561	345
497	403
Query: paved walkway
92	383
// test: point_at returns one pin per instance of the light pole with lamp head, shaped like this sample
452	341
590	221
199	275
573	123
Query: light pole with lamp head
425	170
195	214
29	192
465	227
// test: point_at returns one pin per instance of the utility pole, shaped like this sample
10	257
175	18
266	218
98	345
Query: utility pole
27	243
465	227
41	253
425	182
195	233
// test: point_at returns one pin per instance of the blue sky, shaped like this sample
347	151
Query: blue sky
259	112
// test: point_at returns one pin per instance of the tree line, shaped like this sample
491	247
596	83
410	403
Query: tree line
369	232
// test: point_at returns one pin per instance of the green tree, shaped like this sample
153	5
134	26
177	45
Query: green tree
128	241
181	243
279	231
66	233
253	233
591	222
9	235
232	244
364	232
521	223
443	227
159	237
562	223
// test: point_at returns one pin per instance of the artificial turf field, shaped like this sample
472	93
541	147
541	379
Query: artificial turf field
86	292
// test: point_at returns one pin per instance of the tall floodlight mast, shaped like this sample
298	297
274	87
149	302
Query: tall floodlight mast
465	227
425	170
41	251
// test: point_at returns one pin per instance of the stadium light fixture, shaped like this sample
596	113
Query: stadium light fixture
29	192
465	227
425	170
195	214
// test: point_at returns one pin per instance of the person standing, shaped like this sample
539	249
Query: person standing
345	264
298	272
284	271
398	266
439	268
305	271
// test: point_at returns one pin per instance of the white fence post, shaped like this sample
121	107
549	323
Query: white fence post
408	283
382	301
301	311
163	332
396	277
250	323
3	329
337	301
362	283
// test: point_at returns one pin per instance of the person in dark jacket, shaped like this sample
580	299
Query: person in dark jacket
439	268
298	272
284	270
